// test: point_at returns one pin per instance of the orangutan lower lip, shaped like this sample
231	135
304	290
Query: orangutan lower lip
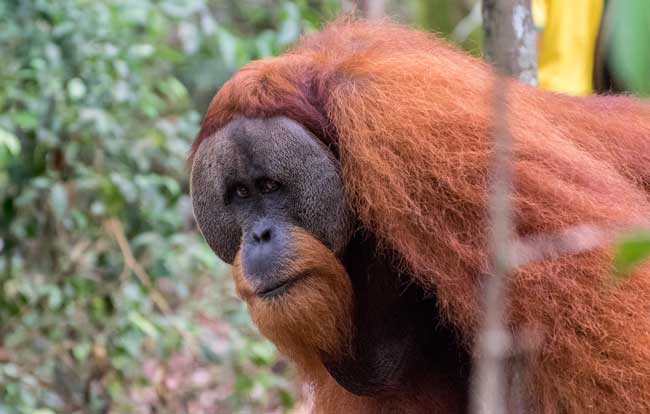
280	288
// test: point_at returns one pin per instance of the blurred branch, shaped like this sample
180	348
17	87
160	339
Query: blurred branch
466	26
493	341
573	240
510	47
370	9
374	9
114	227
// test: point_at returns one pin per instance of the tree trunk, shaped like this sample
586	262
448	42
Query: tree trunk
510	40
370	9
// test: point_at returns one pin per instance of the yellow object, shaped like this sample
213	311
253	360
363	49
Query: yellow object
567	43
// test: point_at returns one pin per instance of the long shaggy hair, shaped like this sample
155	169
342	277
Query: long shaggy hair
409	118
321	319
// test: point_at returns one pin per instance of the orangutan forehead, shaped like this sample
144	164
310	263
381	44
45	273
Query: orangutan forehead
263	144
260	135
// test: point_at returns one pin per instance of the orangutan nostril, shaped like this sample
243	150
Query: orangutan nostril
262	236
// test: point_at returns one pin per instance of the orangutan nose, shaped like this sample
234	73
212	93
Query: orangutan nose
265	249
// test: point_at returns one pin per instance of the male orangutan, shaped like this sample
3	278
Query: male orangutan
346	181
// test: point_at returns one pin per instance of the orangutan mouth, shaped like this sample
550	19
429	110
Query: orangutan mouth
279	288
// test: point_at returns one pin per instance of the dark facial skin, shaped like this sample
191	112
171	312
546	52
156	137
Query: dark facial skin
255	179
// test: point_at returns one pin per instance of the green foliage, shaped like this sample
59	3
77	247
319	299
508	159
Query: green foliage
453	19
630	28
104	281
630	251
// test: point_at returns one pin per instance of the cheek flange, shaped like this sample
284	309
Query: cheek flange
216	222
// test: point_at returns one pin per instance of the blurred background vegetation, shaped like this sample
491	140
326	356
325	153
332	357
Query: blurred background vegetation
110	301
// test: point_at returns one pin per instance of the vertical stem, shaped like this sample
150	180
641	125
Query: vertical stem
7	249
371	9
510	39
375	9
510	45
493	341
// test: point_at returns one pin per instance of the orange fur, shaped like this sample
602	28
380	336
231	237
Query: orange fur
409	117
430	397
316	316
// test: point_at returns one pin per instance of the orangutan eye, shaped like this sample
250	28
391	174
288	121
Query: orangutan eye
242	191
268	186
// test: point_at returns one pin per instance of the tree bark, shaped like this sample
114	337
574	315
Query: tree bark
510	39
370	9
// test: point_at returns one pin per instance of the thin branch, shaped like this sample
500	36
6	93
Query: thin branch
468	24
493	341
115	228
573	240
509	44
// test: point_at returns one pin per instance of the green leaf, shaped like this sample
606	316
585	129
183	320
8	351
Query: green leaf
286	400
262	353
76	88
59	200
43	411
630	36
10	142
81	351
142	50
228	47
209	354
143	324
630	251
290	27
26	120
173	89
54	297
